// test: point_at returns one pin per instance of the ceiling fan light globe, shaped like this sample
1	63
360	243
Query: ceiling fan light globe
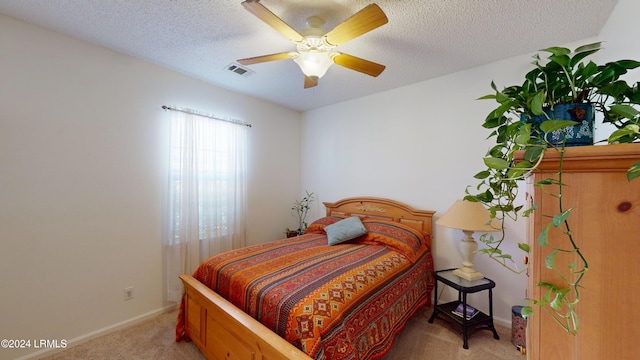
314	64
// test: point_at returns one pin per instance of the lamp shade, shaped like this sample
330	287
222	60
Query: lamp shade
469	216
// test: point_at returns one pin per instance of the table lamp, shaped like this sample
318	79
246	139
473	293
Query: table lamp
468	216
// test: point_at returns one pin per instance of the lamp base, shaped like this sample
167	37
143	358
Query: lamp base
468	274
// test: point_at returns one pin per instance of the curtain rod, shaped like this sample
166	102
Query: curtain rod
187	111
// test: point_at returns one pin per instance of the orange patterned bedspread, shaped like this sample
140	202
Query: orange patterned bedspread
345	301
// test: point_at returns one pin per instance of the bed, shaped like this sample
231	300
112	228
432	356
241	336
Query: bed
341	301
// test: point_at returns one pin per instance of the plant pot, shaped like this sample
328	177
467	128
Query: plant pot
292	233
577	135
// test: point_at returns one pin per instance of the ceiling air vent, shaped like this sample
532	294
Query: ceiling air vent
239	69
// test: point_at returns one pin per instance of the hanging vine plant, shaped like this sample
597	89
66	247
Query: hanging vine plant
527	121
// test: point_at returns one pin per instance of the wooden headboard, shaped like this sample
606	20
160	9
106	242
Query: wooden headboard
384	209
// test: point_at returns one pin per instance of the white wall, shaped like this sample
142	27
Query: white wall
83	144
620	42
422	144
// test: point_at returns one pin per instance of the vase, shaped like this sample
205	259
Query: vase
578	135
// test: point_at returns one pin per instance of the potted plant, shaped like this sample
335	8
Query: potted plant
301	208
528	120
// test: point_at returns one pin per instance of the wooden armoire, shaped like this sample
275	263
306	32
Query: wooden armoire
605	222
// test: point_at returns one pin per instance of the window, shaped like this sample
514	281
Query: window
209	157
205	213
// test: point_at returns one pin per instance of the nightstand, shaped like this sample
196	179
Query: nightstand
480	321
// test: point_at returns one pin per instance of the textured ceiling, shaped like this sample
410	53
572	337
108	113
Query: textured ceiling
424	39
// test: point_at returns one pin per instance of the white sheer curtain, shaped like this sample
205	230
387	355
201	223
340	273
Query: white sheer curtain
206	194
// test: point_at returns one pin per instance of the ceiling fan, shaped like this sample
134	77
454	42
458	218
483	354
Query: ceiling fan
315	47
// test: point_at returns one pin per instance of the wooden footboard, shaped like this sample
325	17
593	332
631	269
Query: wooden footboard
222	331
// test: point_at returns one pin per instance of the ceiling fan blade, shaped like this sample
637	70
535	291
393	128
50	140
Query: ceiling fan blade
362	22
309	82
264	14
358	64
265	58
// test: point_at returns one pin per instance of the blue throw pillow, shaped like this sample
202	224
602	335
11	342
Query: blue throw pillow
344	230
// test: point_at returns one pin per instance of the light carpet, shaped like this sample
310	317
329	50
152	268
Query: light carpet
419	340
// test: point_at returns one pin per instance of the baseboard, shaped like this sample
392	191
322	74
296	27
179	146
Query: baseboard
502	322
100	332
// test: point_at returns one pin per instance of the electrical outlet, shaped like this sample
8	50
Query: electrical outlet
128	293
